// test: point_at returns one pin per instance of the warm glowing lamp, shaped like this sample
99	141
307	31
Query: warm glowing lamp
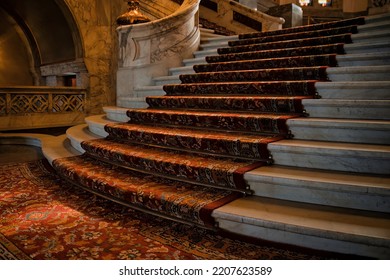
133	15
324	3
304	2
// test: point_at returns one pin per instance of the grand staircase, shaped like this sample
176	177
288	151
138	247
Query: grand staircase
281	135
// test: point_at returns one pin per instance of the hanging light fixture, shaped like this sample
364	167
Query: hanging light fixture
133	15
323	3
304	2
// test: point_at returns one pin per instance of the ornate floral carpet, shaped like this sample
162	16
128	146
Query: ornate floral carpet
45	218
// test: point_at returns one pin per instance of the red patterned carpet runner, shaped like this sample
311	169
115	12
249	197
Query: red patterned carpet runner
42	217
187	154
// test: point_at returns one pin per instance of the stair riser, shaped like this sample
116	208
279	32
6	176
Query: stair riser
289	88
318	193
287	105
351	112
346	92
322	60
342	134
360	76
317	50
308	158
146	92
288	44
365	60
300	237
286	38
213	46
195	61
237	148
253	123
129	103
383	46
181	70
203	54
306	73
161	82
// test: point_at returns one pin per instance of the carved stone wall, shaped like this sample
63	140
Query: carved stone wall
96	22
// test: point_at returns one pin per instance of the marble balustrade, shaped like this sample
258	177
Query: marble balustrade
149	49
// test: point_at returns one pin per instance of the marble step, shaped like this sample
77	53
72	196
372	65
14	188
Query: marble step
181	70
133	102
96	124
194	61
163	80
366	90
337	156
377	18
347	109
369	46
359	73
117	114
213	43
149	91
338	189
79	133
202	54
364	59
367	36
312	226
341	130
374	25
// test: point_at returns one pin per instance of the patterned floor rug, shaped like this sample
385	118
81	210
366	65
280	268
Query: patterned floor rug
43	217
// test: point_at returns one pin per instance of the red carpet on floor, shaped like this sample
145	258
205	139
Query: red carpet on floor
43	217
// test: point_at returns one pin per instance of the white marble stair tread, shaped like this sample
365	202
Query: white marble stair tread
181	70
348	109
355	90
373	45
204	35
364	59
79	133
377	18
338	156
163	80
132	102
194	61
200	54
312	226
149	91
213	43
96	124
340	189
220	39
371	35
115	113
374	25
359	73
341	130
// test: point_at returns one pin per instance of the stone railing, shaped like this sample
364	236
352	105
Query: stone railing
237	17
147	50
37	107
